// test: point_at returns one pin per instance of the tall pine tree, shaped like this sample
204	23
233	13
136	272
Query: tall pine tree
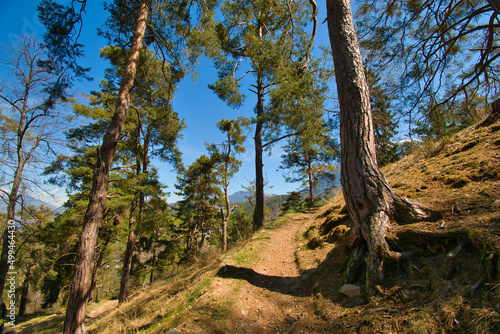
261	39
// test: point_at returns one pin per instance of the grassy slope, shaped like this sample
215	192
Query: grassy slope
431	291
426	293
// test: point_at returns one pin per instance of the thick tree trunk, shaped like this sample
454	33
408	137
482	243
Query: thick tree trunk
258	215
370	200
80	289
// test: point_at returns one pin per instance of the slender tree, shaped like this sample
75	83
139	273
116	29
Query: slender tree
371	202
164	23
80	290
29	125
198	185
310	160
384	120
267	36
228	165
152	128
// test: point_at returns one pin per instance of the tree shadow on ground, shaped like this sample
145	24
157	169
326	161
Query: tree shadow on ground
293	286
48	324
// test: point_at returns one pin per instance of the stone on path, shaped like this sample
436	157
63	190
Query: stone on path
350	290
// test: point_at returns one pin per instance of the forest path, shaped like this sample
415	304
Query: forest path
260	289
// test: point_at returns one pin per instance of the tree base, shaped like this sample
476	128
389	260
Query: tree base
373	234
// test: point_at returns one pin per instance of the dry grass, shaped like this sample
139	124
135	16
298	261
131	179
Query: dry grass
426	293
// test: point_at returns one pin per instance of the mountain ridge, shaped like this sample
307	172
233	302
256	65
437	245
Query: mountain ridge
241	196
31	201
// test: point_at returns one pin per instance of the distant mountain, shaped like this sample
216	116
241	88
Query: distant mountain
31	201
324	186
241	196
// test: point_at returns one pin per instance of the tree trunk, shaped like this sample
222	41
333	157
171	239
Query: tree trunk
258	215
75	313
24	126
203	232
4	259
95	272
106	235
153	258
24	294
225	218
132	238
11	211
127	259
311	185
224	230
370	200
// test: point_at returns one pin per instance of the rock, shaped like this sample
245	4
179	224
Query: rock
174	331
350	290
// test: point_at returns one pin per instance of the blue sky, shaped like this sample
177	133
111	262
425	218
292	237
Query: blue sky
194	102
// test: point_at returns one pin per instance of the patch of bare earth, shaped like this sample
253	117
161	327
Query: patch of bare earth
266	296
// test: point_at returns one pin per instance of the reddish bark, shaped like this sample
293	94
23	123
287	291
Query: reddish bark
371	202
81	287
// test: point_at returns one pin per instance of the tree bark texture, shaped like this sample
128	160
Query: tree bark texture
370	200
258	215
80	289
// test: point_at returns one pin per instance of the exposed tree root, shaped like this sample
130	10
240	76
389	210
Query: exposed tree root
449	263
408	211
373	233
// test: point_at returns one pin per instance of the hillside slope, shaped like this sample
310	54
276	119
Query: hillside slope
286	279
448	278
254	289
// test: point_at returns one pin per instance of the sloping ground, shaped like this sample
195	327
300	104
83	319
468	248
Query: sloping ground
287	278
449	279
256	289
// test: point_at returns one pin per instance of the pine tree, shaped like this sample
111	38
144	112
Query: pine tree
227	164
310	160
166	21
198	185
384	120
440	56
260	39
371	202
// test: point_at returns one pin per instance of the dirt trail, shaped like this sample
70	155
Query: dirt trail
267	296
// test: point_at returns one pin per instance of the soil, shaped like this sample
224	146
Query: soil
267	296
